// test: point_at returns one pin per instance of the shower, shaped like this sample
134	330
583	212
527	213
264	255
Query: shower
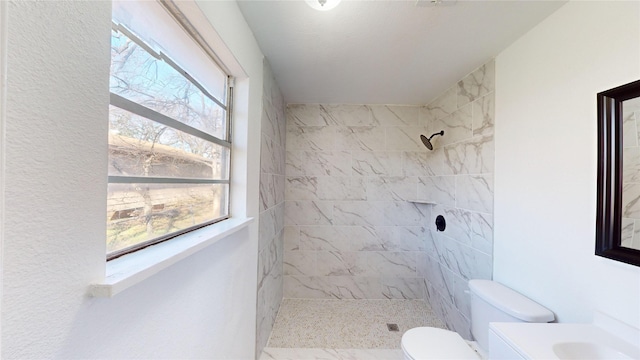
427	141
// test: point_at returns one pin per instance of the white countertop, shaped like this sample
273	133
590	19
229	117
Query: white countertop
536	341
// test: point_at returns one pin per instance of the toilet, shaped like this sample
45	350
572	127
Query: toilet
490	302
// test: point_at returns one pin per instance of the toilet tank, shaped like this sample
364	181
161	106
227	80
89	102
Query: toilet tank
494	302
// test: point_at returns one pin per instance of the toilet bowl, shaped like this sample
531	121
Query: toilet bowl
433	343
490	302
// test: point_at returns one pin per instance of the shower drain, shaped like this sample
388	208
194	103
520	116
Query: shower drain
393	327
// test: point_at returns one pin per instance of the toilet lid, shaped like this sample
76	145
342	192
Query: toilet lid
432	343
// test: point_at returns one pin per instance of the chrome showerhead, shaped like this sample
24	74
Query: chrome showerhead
427	141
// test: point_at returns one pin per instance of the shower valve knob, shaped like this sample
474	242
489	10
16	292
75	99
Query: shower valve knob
441	224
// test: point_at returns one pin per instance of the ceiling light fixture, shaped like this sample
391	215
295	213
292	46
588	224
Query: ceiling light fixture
323	5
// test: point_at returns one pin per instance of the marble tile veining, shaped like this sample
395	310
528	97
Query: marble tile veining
457	127
391	188
439	189
631	164
349	115
310	138
308	115
324	188
271	219
300	262
461	183
366	138
390	115
291	238
361	238
402	288
301	188
405	138
483	115
308	213
474	156
423	163
351	172
357	213
475	192
403	213
444	105
377	163
332	287
477	84
341	188
312	163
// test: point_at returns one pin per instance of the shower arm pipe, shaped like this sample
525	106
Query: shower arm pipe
441	133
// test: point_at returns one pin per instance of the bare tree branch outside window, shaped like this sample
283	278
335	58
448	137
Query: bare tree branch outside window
141	147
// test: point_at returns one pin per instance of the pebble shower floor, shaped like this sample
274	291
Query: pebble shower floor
344	329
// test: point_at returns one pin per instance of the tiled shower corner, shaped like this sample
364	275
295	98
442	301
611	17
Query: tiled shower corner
271	219
337	218
463	192
351	230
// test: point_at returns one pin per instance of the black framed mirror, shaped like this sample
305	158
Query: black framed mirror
618	198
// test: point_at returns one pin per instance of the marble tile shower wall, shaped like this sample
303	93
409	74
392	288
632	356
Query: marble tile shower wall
349	231
350	169
271	219
630	236
460	182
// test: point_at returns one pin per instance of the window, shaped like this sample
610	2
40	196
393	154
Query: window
169	141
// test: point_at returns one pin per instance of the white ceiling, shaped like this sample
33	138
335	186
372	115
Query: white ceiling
383	52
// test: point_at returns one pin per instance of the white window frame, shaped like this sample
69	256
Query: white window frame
152	115
129	270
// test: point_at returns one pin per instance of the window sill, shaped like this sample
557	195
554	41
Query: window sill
128	270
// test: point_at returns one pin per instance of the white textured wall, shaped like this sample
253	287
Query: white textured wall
56	111
546	159
55	187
